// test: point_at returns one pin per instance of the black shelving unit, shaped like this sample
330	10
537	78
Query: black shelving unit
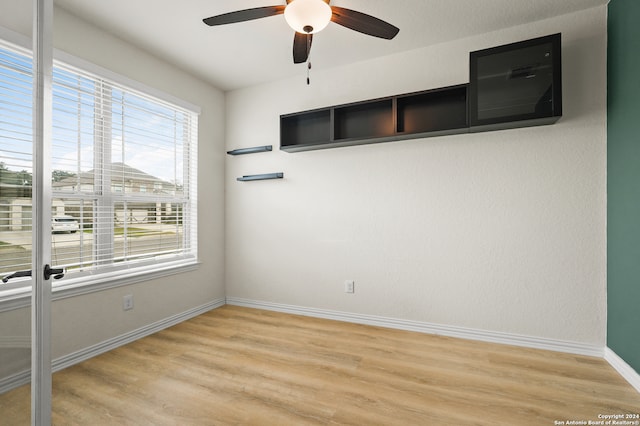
412	115
515	85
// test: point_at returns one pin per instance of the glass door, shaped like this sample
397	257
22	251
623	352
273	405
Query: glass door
42	273
25	224
16	230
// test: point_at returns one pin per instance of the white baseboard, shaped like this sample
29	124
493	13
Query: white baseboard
429	328
14	381
15	342
625	370
58	364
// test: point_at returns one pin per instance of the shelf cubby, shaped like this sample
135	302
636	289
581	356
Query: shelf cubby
432	111
310	128
364	120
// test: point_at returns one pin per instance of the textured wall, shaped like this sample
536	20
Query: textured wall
623	268
501	231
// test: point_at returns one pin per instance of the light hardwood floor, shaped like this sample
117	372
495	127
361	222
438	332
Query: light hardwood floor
237	366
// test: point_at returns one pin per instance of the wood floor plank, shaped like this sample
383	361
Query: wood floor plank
240	366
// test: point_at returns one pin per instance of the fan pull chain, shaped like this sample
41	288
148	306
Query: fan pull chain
308	59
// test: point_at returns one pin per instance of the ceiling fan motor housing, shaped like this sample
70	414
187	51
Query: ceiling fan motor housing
308	16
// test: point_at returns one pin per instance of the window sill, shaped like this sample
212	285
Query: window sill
21	298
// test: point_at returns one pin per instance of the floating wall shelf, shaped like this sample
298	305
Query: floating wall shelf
253	150
265	176
515	85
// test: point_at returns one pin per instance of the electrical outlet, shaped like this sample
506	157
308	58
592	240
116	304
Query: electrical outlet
127	302
349	286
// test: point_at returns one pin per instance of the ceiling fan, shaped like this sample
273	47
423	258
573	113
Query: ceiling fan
308	17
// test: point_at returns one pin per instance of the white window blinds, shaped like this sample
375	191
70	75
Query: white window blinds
124	172
125	167
15	159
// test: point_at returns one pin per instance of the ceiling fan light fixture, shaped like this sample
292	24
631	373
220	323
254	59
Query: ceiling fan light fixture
308	16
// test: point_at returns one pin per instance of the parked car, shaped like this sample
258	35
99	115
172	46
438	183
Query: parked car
64	223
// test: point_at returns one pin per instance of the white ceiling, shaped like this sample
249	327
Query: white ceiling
248	53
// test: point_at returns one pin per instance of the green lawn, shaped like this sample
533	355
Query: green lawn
134	232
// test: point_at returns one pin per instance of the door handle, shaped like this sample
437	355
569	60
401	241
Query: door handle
56	272
48	272
16	274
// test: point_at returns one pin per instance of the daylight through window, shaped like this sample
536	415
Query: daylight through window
123	173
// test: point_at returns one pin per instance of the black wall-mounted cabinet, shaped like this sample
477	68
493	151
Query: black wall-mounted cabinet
412	115
516	85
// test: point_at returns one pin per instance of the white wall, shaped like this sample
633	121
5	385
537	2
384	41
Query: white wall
86	320
501	231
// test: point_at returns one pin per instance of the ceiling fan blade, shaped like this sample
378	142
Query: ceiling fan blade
363	23
244	15
301	47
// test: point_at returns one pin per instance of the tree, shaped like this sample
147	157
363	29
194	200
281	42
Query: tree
59	175
4	173
25	178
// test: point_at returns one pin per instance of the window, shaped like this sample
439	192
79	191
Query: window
15	161
109	144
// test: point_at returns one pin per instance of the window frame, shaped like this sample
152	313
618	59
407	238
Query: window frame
16	294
